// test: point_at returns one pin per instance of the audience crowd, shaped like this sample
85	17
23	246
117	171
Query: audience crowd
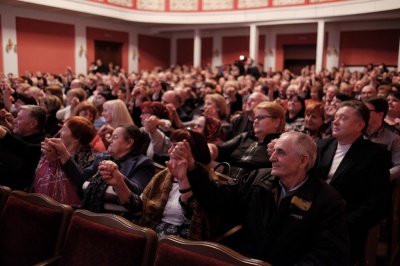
310	158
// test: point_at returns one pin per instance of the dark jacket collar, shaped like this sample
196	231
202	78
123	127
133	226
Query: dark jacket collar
34	138
267	138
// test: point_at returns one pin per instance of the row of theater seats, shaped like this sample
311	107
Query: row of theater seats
383	241
36	230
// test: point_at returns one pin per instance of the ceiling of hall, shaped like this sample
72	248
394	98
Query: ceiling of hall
164	27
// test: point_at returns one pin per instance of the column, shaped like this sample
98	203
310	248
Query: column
332	53
270	50
320	45
253	45
133	52
398	58
173	50
81	64
9	33
217	49
197	48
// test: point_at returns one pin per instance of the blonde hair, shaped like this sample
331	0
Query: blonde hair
293	87
119	113
231	83
274	110
52	103
79	93
223	108
55	90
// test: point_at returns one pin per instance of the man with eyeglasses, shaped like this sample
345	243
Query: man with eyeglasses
378	132
289	216
358	169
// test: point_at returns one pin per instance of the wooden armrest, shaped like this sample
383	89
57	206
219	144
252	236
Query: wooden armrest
227	234
222	177
50	262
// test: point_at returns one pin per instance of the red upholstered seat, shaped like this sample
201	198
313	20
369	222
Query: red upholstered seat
173	255
107	239
32	228
176	251
383	239
394	226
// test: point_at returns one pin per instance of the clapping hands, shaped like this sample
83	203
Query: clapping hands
110	173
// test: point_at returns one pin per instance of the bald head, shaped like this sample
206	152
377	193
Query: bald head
330	93
368	92
76	84
254	99
171	97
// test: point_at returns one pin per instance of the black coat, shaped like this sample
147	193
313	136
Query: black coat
362	179
18	160
240	124
244	153
306	228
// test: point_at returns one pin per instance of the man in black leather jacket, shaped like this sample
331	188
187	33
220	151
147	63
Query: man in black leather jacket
289	215
17	160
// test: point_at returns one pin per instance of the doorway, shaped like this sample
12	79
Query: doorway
108	52
298	56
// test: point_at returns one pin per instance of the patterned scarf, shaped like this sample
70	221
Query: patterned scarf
155	197
212	129
85	156
93	199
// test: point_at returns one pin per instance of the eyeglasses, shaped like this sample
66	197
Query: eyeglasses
262	117
113	137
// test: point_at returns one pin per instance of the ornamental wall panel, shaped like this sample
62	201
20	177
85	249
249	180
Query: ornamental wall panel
217	5
208	5
183	5
252	3
287	2
319	1
125	3
155	5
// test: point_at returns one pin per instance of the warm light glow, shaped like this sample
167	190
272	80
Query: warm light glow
9	45
81	51
241	57
134	54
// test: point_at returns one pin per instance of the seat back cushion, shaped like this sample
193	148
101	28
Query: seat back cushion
28	232
172	255
90	243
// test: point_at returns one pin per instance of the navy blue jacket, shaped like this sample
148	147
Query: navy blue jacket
137	169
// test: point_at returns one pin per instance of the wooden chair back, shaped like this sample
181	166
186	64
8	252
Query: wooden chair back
32	228
107	239
4	193
394	224
173	250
